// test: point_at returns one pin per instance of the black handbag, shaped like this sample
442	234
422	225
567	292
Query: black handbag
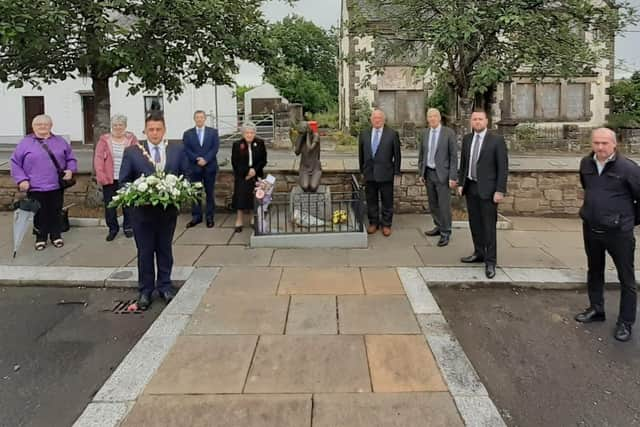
64	183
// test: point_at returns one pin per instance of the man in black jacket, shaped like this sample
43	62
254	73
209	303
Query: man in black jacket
611	185
484	168
379	156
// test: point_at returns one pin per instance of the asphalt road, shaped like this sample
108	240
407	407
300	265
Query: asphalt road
540	367
55	356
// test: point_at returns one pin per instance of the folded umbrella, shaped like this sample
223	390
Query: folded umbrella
25	210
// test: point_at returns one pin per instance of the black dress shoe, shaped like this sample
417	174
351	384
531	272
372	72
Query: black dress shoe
623	332
210	223
238	229
193	223
112	235
590	315
490	271
471	258
168	295
432	232
144	301
128	233
444	240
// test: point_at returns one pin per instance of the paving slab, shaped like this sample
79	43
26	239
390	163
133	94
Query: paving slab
568	240
402	363
526	257
401	237
240	315
384	257
376	314
461	275
246	281
205	365
205	236
192	291
435	409
381	281
479	411
325	257
422	221
28	256
320	281
417	291
215	256
128	276
532	224
303	364
312	315
447	256
92	254
243	238
569	258
521	238
221	411
187	255
52	276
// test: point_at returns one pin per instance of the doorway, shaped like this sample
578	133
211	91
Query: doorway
33	106
89	117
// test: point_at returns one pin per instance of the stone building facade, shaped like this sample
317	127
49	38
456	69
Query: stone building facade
582	101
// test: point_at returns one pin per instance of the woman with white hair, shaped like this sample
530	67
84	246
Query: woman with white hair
248	159
106	162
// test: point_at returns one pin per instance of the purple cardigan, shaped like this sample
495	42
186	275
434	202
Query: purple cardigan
30	162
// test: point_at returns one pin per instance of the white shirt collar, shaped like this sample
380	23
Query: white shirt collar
482	134
163	152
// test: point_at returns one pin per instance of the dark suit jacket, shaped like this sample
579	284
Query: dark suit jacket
240	158
386	163
134	163
492	168
446	158
208	151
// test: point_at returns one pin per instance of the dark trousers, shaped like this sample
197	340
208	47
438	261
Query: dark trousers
439	196
48	220
483	216
111	214
621	246
153	228
208	181
384	191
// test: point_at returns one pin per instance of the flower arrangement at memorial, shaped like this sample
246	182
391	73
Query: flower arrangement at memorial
160	189
339	217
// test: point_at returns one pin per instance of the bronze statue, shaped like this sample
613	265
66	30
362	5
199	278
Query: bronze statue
308	147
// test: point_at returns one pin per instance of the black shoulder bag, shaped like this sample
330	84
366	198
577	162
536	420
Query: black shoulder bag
64	183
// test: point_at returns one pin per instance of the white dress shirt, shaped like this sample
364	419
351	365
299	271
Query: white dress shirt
163	154
473	144
431	154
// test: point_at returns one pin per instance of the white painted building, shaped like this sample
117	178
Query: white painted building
70	104
262	99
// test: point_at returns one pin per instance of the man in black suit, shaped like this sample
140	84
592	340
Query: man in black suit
484	168
153	226
438	170
379	156
201	144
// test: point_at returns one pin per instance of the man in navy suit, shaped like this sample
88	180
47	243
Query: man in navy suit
201	145
154	226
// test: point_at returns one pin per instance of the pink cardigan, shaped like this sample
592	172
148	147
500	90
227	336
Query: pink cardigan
103	157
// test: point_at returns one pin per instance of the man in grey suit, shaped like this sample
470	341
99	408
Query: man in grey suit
379	156
438	169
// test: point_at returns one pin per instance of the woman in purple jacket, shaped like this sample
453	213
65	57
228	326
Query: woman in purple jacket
34	171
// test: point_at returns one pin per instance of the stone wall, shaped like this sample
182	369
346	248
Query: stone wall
540	193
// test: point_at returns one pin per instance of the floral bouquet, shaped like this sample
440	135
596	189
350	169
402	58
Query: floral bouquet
264	194
159	189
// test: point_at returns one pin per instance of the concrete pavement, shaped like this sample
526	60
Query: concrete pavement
321	337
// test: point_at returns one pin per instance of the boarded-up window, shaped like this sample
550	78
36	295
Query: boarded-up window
524	102
415	107
550	100
575	100
387	103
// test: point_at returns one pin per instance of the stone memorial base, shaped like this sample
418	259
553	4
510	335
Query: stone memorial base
310	208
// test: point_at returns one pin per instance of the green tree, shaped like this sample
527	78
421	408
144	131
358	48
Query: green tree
472	45
304	63
148	44
625	102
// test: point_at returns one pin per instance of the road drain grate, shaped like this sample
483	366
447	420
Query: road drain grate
122	307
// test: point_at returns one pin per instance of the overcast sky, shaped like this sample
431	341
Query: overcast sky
326	13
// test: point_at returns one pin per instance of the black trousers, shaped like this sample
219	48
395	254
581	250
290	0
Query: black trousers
439	196
153	228
383	191
621	246
48	220
483	216
111	214
208	181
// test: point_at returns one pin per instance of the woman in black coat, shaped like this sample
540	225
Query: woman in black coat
248	159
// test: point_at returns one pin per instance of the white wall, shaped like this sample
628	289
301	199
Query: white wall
63	103
266	90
